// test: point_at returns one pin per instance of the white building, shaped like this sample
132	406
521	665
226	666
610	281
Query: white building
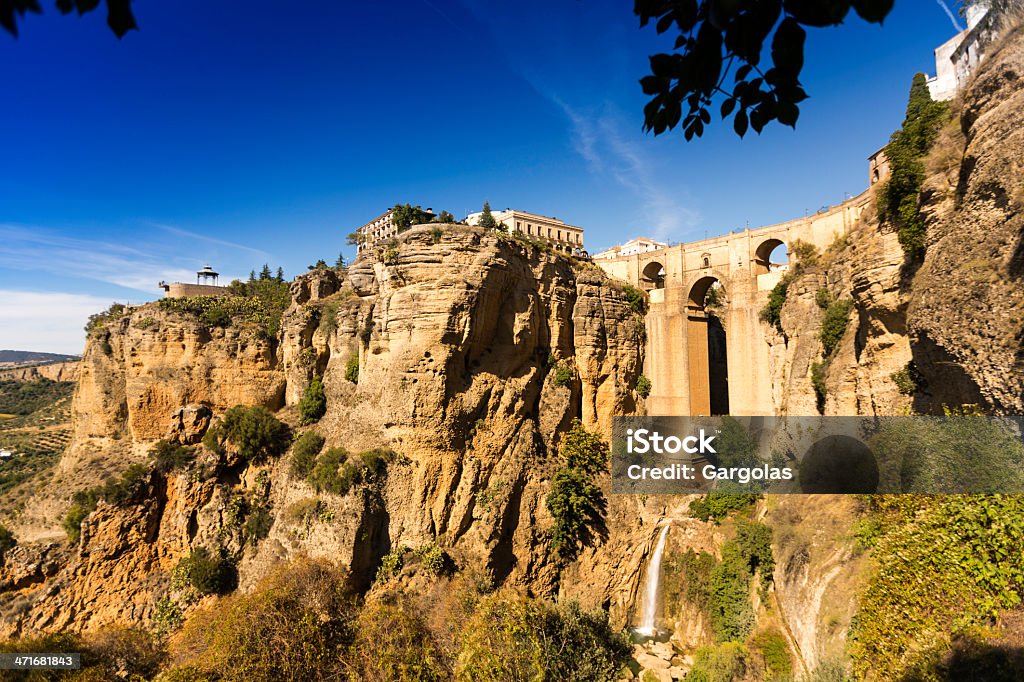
631	248
380	229
957	58
563	237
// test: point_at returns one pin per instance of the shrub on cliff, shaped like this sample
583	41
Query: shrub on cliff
575	502
205	571
392	642
643	386
352	369
313	404
898	198
295	625
117	491
169	456
772	311
511	637
636	300
252	432
834	323
304	452
109	653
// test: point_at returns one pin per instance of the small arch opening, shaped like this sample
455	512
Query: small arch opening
770	256
653	276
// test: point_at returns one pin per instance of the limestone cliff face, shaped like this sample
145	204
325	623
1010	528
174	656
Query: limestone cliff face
966	309
55	371
458	337
957	317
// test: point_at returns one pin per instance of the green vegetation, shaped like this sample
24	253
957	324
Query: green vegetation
818	371
487	220
719	663
948	566
823	297
772	647
898	199
750	554
805	255
304	452
205	571
716	506
636	300
118	492
907	379
510	637
434	559
259	302
302	622
313	404
253	433
7	541
404	216
564	373
308	510
169	456
688	577
643	386
24	398
576	502
335	472
100	320
772	311
390	566
352	369
834	323
113	653
329	317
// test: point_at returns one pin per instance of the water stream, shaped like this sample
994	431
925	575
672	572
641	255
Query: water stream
649	613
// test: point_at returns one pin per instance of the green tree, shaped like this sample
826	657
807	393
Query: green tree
313	405
340	264
265	273
404	216
355	238
834	323
487	220
445	217
252	432
715	40
898	201
279	277
584	450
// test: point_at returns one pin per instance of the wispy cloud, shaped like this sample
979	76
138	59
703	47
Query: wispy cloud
46	321
603	141
177	231
949	13
36	250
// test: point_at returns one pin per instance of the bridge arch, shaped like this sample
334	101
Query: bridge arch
763	254
653	275
707	358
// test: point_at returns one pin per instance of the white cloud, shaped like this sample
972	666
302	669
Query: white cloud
605	144
46	321
35	250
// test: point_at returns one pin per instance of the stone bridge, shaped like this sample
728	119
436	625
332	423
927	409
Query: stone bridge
702	363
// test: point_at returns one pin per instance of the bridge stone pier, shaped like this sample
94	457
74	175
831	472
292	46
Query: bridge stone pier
701	361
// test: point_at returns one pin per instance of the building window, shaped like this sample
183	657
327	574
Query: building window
707	262
549	233
519	226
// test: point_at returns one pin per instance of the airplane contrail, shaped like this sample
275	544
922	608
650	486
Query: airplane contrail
949	13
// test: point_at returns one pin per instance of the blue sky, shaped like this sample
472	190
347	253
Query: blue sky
238	138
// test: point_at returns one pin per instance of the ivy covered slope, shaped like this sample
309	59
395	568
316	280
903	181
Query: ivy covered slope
411	421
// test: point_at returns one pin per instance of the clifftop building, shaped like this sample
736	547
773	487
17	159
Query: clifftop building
563	237
379	229
957	58
206	285
632	247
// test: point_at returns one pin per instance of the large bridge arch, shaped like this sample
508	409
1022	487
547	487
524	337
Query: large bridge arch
678	278
706	350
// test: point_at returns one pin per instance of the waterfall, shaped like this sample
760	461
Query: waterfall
650	610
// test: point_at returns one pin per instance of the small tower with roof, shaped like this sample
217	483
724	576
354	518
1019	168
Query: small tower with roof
207	276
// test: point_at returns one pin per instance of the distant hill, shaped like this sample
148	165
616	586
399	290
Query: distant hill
22	357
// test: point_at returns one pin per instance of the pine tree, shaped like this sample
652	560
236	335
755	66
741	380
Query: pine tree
252	276
487	220
340	263
265	272
280	274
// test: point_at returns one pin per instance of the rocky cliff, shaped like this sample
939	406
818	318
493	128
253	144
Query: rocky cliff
457	334
952	322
